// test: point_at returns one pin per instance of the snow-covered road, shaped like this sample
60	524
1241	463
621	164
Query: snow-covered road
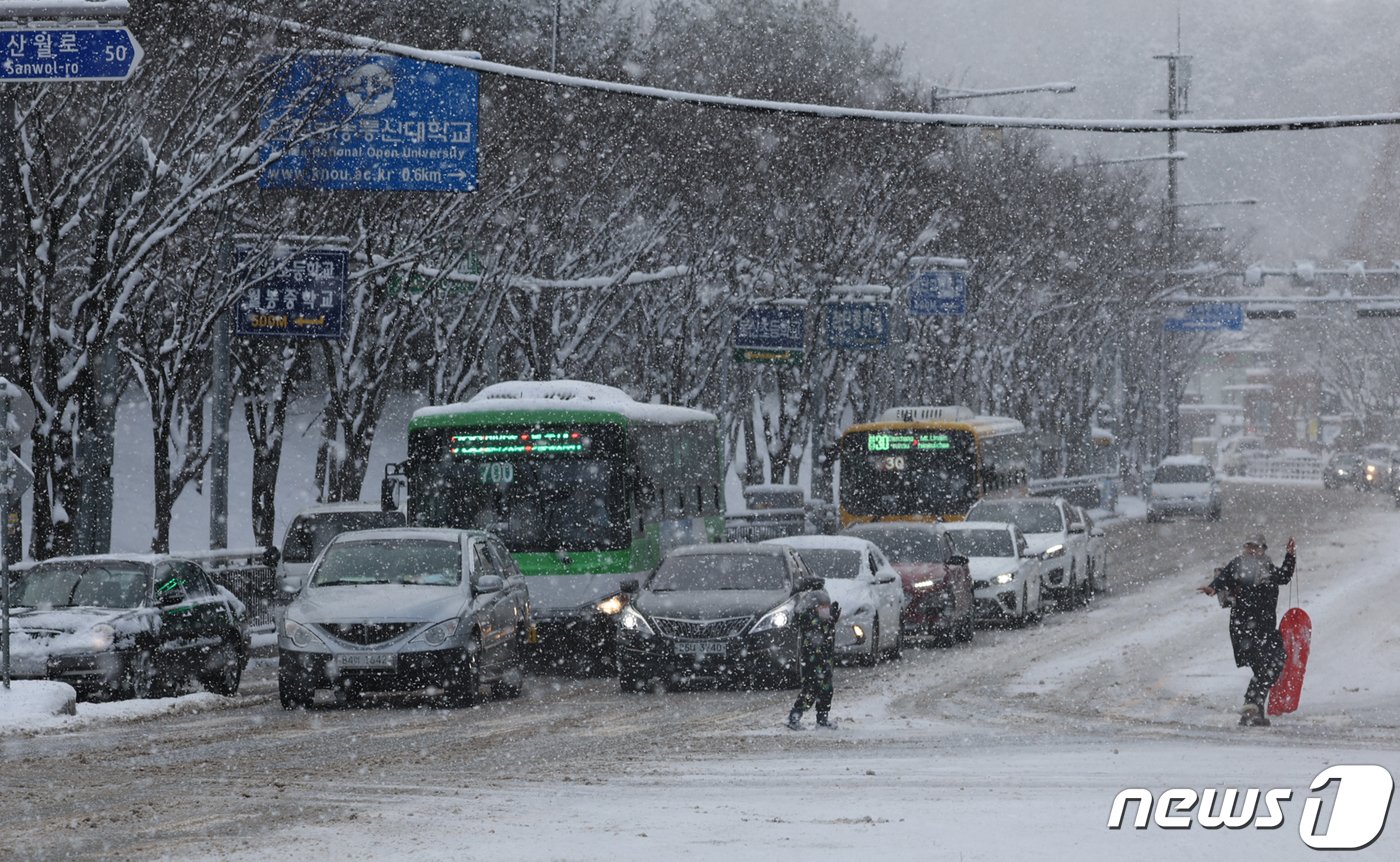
1013	746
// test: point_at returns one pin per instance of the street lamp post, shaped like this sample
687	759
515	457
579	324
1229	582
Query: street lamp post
949	94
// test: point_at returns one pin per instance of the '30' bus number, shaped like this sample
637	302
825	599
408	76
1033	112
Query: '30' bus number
890	462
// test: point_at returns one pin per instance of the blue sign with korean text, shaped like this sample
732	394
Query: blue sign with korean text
1203	316
769	333
857	325
68	54
300	295
938	292
371	122
772	327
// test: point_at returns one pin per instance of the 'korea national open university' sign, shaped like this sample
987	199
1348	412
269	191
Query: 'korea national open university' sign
371	122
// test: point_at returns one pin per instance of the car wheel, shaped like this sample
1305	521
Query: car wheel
463	682
629	681
897	651
1213	514
294	689
223	670
141	679
873	657
1069	597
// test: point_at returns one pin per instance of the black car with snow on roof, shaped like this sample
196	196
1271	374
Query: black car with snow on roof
126	626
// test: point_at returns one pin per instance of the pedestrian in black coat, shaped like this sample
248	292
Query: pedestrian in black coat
816	625
1248	585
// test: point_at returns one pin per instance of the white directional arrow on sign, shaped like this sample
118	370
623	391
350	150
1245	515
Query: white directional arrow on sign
16	414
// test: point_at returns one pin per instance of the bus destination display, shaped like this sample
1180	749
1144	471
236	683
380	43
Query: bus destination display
888	442
531	443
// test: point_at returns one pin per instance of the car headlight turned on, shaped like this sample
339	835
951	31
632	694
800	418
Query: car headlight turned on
299	634
610	606
1004	578
101	637
928	585
632	620
438	634
1054	551
779	618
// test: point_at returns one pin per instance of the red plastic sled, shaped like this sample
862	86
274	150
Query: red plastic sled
1296	629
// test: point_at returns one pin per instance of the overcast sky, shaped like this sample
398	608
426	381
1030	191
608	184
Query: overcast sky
1252	58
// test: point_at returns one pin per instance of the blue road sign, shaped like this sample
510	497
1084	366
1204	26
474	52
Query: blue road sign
68	54
376	123
1206	316
301	295
769	333
938	292
857	325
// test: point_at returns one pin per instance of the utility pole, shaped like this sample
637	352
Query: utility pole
1178	87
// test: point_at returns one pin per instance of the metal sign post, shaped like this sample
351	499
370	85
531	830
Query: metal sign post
16	421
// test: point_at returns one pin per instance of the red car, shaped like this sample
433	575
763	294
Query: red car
937	584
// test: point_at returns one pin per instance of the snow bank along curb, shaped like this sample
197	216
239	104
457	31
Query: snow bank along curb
34	719
27	699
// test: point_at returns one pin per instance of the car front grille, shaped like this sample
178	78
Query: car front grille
367	634
701	629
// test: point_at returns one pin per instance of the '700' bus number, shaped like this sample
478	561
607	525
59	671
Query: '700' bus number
890	462
497	473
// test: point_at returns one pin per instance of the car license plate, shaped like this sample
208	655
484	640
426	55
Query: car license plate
368	661
700	647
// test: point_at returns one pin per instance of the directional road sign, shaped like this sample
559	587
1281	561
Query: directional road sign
938	292
68	54
769	333
16	414
376	123
1207	316
300	295
858	325
15	475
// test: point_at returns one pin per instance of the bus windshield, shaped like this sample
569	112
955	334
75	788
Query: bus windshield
908	472
538	488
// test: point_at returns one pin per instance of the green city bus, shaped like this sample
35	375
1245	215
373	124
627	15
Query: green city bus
583	484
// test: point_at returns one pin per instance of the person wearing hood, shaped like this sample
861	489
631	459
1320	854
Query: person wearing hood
816	623
1248	586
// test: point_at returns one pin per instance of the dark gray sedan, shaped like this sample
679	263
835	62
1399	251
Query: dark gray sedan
713	612
406	610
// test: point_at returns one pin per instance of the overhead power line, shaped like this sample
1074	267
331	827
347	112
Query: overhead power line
833	112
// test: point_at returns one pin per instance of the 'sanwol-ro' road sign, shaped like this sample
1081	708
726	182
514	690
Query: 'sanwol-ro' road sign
68	54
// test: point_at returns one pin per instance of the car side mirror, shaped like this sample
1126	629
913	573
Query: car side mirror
630	587
171	598
885	578
271	557
811	583
1097	533
1076	528
957	560
490	584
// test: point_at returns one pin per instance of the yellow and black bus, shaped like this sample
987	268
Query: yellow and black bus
929	464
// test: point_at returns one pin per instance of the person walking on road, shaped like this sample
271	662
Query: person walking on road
1248	585
816	626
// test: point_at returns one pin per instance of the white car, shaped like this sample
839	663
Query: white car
313	528
1183	485
1097	556
1005	572
1053	530
863	581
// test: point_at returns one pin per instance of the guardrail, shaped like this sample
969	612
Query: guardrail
1092	491
765	524
1294	468
241	572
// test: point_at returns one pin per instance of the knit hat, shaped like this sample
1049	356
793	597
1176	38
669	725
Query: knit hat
1255	539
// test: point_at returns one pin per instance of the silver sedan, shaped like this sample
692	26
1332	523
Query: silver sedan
405	610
